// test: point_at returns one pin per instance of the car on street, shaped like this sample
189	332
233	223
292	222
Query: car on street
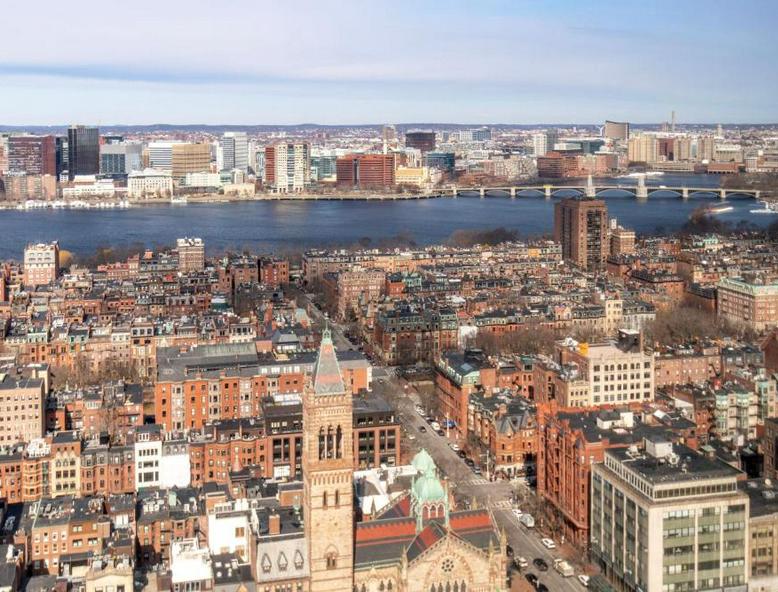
462	454
454	447
411	437
584	580
548	543
420	411
509	550
532	579
540	563
422	429
520	562
542	588
517	513
440	432
469	462
476	470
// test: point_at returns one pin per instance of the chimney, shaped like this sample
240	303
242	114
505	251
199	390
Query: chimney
274	524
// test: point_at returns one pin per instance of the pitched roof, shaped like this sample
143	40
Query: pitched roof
327	379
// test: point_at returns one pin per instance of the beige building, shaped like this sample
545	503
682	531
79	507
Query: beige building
643	148
21	409
109	574
616	371
191	254
754	304
666	518
190	158
41	264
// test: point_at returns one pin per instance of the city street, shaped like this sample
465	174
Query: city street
466	486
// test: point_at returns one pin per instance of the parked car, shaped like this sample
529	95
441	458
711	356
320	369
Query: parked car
542	588
454	447
527	520
532	579
422	429
548	543
517	513
462	454
520	562
469	462
540	563
440	432
584	580
509	550
564	568
476	470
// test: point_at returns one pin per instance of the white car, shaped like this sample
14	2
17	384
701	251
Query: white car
454	447
420	411
548	543
584	580
517	513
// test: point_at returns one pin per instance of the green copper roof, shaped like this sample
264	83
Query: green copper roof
428	488
423	463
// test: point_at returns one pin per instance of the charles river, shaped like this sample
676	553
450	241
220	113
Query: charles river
279	226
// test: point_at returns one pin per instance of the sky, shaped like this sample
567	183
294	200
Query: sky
398	61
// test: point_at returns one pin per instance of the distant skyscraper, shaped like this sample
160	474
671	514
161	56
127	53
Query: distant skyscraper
421	140
190	158
443	161
581	226
34	155
543	142
62	155
236	151
83	151
160	155
616	130
389	137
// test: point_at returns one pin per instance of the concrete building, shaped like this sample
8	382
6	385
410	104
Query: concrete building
191	254
581	226
544	142
119	160
148	456
616	371
21	187
189	158
288	166
236	151
41	264
22	401
643	148
667	518
752	303
422	140
149	183
159	155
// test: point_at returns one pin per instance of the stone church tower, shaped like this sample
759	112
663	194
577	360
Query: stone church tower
328	465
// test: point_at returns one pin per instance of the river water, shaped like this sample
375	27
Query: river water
277	226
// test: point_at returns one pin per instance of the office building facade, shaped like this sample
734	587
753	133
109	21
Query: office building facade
421	140
288	166
366	171
83	151
236	151
34	155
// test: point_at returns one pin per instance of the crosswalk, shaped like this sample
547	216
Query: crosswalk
477	482
503	505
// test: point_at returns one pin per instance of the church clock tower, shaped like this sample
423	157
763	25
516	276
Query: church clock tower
328	465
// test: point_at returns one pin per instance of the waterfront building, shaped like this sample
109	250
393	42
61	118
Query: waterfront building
159	155
581	226
236	151
643	148
149	183
88	186
616	130
83	151
189	158
365	171
34	155
422	140
191	254
664	517
119	159
288	166
203	181
41	264
443	161
21	186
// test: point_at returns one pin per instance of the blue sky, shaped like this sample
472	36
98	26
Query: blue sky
341	62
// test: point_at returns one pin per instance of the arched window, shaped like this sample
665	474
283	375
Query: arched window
324	499
463	587
381	587
322	444
330	442
339	443
332	560
337	497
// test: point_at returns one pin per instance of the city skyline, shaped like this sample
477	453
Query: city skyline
495	62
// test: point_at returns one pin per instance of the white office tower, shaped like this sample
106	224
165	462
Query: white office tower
543	142
160	155
236	151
